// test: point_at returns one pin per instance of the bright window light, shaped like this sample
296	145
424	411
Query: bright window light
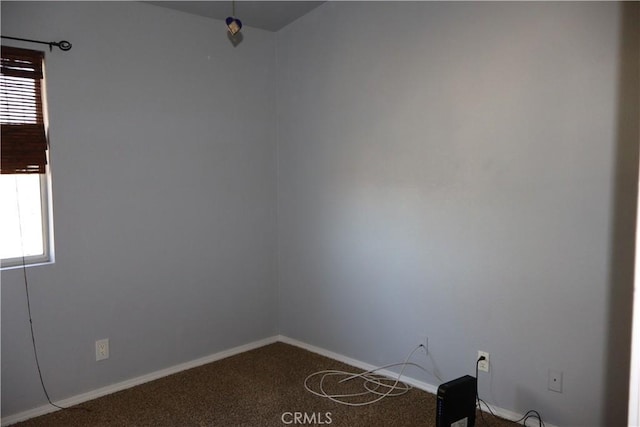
21	218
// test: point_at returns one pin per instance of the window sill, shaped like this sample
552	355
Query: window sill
33	262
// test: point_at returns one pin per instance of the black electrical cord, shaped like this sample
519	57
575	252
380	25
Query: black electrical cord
480	401
530	414
33	337
26	290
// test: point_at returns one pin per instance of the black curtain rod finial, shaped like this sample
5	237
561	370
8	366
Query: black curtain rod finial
64	45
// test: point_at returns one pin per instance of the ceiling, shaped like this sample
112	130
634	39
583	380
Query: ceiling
266	15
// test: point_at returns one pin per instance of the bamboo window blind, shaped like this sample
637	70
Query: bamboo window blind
24	140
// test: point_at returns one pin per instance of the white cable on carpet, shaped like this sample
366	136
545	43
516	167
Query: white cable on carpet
371	383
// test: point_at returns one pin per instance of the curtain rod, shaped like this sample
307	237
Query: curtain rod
62	44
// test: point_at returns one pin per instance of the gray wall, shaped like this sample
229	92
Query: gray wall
164	164
464	171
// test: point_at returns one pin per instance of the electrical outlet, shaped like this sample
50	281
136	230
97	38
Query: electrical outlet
483	365
102	349
555	381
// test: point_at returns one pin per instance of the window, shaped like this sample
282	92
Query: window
24	195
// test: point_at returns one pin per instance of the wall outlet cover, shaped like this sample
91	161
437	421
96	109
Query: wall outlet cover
483	365
102	349
555	381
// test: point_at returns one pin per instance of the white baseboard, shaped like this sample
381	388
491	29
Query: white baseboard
503	413
103	391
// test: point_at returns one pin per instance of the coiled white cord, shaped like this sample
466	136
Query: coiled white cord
376	385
